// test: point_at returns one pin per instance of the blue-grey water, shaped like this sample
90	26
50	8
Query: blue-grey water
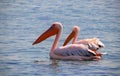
22	21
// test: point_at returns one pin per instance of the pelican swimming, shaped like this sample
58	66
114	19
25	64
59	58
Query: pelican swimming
68	52
93	43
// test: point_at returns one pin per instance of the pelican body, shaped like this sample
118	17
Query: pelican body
68	52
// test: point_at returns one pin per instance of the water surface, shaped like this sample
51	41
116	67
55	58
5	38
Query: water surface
22	21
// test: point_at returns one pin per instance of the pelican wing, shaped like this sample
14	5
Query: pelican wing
74	50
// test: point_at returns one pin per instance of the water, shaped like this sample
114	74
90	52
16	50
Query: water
22	21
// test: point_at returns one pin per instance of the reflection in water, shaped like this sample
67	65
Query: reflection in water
52	65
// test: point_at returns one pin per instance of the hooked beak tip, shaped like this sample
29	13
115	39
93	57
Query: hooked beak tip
33	44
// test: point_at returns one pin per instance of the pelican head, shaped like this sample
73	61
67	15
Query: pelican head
73	34
53	30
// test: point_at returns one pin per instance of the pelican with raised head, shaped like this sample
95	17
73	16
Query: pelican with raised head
93	43
68	52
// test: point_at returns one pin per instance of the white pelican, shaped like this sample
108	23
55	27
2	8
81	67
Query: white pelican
68	52
93	43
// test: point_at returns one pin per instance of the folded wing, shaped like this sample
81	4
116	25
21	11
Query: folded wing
74	50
